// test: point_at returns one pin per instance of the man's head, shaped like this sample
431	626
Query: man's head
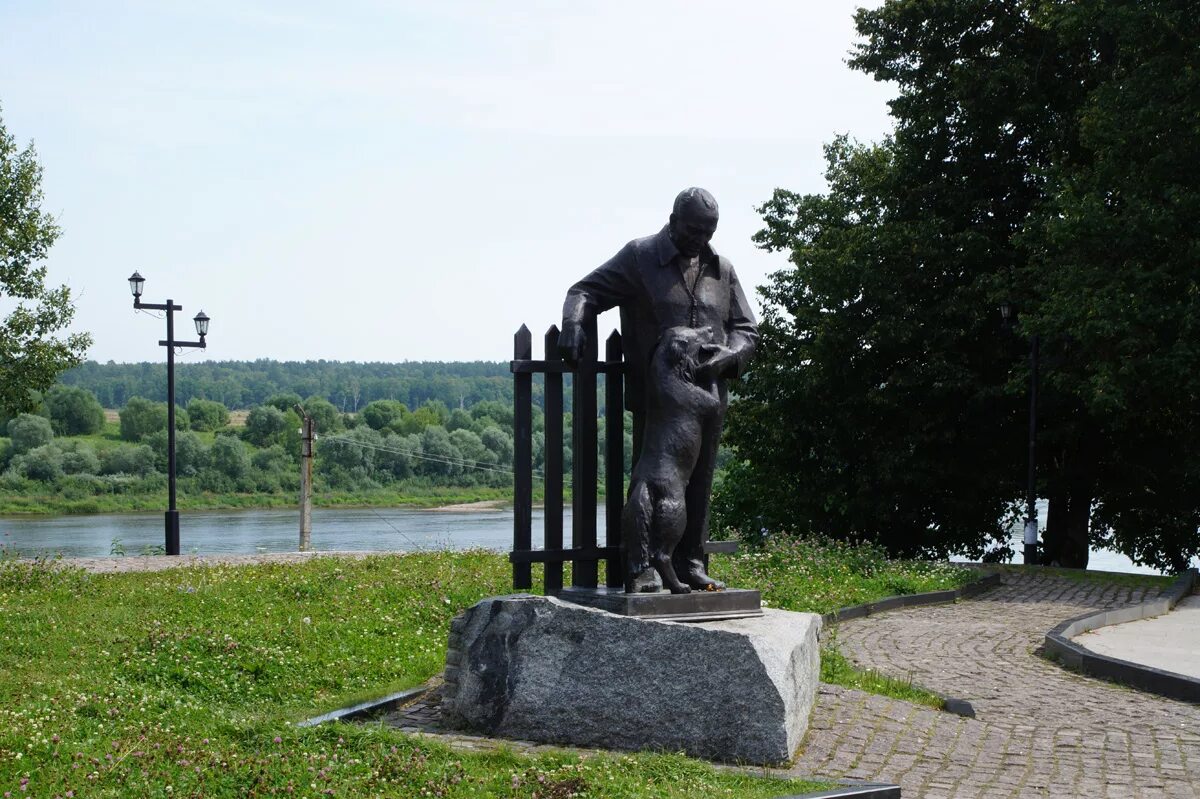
693	221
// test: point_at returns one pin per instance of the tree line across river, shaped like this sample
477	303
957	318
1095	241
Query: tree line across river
67	448
348	386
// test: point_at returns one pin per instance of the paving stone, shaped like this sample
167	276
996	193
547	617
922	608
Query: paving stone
1039	730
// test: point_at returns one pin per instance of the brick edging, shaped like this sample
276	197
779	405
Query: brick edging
1059	644
971	589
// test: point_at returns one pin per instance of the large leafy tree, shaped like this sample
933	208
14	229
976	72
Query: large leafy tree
32	354
888	399
1114	270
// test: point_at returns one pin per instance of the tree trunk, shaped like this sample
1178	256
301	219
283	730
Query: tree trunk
1056	529
1074	552
1067	536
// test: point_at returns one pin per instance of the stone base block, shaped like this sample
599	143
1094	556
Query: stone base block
732	603
538	669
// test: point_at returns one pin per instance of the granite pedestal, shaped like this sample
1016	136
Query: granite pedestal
539	669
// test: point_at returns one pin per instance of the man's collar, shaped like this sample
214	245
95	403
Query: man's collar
667	249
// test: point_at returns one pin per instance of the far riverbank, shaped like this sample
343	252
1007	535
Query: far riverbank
417	497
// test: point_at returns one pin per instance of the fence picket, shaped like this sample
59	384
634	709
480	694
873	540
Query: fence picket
523	459
553	463
614	455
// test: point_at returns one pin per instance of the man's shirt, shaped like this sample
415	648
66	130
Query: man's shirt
646	279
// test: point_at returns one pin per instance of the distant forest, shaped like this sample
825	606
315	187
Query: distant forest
349	386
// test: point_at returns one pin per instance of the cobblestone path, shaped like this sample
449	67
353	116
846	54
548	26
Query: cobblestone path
1039	730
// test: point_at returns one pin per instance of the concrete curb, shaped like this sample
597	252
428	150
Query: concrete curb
853	790
959	707
913	600
366	709
1073	656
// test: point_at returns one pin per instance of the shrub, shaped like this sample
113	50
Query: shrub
324	414
74	411
141	417
79	458
397	456
284	402
383	413
190	453
267	425
28	431
442	457
229	457
207	415
44	463
131	459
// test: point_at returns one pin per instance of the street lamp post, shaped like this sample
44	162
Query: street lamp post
1031	519
136	282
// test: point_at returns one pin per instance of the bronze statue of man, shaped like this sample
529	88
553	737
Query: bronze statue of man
672	279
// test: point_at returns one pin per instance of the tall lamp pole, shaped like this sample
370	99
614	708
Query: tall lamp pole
1031	518
136	282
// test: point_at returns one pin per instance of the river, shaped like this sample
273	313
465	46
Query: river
344	529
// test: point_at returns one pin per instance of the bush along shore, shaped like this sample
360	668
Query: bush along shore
76	457
188	682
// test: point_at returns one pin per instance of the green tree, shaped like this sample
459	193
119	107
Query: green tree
383	413
272	469
141	417
264	424
285	401
1114	291
207	415
229	457
74	411
479	460
191	455
1040	148
440	457
348	461
44	463
397	454
78	457
500	443
134	459
324	414
31	353
28	431
460	419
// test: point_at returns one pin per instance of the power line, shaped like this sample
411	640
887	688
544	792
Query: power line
444	459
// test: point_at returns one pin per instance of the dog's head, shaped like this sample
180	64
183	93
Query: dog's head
681	346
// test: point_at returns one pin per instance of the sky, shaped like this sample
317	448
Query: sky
405	181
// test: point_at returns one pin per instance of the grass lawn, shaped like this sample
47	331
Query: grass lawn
188	682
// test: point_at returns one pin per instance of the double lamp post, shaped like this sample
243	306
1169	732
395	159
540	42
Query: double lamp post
136	282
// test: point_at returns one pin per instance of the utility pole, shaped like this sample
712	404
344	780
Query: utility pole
307	434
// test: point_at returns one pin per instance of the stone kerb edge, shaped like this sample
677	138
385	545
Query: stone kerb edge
366	709
853	790
912	600
1074	656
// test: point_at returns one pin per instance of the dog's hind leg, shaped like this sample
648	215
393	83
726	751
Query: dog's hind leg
670	518
636	519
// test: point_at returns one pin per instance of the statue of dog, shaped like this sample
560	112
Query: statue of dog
654	517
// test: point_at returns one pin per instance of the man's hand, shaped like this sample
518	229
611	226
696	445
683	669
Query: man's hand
718	361
570	343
